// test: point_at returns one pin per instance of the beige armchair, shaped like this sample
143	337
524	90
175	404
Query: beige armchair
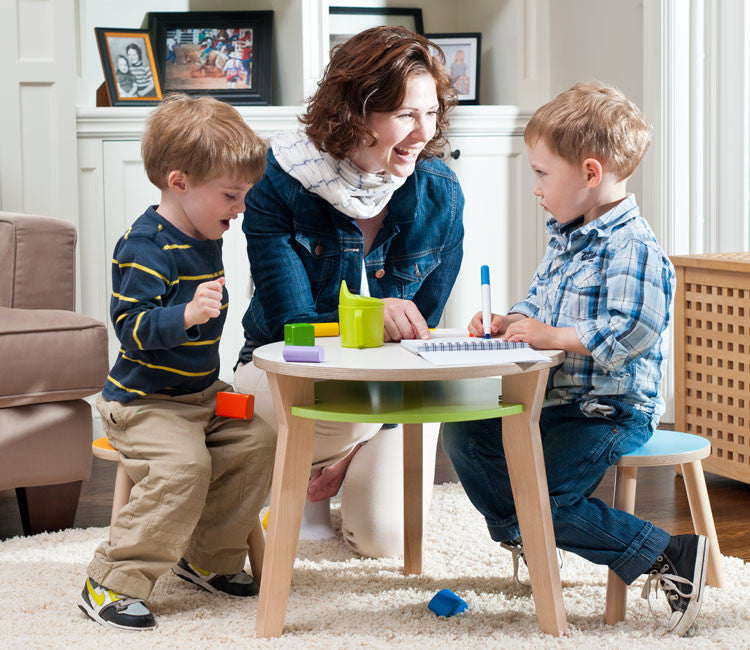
50	357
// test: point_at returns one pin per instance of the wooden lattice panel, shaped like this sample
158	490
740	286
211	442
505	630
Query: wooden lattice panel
712	357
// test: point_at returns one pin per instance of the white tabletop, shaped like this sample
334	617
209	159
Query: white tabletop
391	362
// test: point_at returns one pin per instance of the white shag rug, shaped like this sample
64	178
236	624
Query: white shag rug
339	600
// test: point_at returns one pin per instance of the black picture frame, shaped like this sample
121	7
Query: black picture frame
361	18
239	52
469	44
131	47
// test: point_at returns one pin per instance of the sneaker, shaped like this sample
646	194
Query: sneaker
516	548
680	571
240	584
114	610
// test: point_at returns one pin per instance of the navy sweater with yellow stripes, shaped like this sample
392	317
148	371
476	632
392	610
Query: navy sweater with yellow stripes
155	271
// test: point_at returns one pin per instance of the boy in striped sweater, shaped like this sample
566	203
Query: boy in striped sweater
200	480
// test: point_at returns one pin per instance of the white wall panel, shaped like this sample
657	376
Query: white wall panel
36	17
39	164
37	114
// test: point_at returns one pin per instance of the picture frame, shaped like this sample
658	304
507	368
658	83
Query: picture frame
224	54
463	54
345	22
130	74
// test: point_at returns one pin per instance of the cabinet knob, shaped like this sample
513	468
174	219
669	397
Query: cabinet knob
455	154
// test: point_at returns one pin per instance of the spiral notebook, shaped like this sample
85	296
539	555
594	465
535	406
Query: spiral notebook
470	351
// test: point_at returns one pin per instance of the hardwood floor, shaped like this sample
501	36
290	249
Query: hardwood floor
661	499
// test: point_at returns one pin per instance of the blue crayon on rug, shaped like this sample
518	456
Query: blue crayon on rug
446	603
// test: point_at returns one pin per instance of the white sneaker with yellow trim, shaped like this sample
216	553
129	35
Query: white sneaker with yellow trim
114	610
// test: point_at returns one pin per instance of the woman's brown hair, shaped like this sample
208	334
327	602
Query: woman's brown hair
368	73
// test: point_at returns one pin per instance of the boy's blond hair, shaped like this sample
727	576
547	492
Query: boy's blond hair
592	120
202	137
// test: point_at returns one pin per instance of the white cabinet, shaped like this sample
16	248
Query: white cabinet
502	226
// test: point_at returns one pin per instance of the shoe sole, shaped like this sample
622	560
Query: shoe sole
89	611
688	617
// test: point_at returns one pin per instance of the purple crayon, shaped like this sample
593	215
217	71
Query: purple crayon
307	353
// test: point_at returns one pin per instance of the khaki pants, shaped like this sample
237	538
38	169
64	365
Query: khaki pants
372	494
200	482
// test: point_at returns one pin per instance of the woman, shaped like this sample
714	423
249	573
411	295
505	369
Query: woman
357	195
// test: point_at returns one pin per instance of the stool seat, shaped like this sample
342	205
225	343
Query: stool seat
102	449
667	448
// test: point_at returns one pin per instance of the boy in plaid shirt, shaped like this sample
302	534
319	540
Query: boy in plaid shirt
602	293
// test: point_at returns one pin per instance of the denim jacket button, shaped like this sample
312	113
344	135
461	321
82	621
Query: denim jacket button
379	273
319	250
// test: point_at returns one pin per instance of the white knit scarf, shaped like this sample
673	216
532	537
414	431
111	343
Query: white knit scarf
358	194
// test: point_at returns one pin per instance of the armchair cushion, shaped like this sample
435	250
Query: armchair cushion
50	355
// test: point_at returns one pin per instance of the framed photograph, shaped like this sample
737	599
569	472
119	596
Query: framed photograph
462	55
225	54
344	22
130	75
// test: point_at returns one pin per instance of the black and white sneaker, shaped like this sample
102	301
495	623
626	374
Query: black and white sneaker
114	610
240	585
680	572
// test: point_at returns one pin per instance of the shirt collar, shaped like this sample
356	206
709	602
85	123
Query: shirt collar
572	231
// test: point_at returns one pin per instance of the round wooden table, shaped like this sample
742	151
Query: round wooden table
422	392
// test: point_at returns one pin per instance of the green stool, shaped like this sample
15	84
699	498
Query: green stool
411	404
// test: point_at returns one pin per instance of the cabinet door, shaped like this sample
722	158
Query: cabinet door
127	193
500	224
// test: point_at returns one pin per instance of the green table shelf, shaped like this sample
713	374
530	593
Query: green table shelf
407	402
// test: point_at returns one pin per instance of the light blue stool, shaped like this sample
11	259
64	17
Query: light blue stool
666	448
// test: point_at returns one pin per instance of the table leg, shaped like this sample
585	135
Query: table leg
291	472
528	478
413	488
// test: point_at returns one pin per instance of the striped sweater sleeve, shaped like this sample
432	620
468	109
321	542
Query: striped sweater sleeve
141	277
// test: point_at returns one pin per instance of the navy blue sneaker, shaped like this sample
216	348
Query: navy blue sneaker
680	572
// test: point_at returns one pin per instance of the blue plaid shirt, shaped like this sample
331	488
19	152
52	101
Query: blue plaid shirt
610	280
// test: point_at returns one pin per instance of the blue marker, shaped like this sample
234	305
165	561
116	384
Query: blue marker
486	308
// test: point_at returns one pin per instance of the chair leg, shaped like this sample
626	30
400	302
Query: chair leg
617	595
123	486
48	508
256	544
703	519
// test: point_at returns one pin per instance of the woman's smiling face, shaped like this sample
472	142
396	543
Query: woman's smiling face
403	133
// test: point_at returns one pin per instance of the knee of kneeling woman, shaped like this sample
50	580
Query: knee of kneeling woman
375	541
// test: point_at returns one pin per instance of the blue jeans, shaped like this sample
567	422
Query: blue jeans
578	449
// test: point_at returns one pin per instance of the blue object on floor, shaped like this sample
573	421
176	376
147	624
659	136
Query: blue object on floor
446	603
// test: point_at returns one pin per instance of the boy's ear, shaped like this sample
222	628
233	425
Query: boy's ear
593	171
177	181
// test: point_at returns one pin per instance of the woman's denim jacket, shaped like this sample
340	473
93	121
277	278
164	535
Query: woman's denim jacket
300	249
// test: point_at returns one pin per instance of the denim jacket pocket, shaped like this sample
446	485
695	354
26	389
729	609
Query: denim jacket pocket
409	272
319	254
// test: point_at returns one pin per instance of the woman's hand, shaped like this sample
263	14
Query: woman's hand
403	320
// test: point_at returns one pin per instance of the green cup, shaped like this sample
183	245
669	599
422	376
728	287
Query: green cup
360	320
